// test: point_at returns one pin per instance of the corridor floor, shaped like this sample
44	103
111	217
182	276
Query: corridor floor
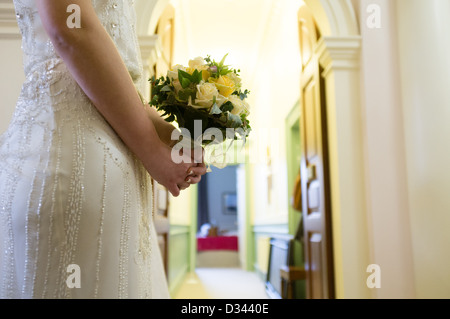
221	283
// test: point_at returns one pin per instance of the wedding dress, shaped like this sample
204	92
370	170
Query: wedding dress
71	193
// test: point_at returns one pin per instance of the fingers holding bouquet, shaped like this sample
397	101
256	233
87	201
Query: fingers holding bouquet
178	168
195	174
208	103
194	155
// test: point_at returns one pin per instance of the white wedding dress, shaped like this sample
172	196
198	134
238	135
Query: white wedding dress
71	193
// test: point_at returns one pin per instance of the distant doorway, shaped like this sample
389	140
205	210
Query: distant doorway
217	226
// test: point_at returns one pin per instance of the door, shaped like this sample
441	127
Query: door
165	32
314	167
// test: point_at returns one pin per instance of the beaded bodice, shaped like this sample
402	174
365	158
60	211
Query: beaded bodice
117	16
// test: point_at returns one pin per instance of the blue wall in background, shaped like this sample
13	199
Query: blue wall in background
221	181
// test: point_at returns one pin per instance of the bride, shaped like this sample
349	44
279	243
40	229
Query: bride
76	159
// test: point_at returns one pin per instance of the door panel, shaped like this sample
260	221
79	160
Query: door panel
165	32
315	260
314	198
309	102
314	167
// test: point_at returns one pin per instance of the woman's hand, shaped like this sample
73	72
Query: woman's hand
198	167
166	171
165	130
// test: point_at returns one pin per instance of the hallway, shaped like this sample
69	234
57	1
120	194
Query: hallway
221	283
349	109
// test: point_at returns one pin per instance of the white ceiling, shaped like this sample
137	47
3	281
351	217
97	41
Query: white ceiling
245	29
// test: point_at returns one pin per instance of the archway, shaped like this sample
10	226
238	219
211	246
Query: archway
339	57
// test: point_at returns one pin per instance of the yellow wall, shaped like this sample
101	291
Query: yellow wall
181	237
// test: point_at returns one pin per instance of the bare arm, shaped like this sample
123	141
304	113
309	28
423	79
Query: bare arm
163	128
96	65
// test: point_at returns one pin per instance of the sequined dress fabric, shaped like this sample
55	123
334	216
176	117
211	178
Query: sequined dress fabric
71	193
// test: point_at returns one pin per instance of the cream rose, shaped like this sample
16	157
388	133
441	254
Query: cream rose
197	63
205	96
239	106
236	79
173	74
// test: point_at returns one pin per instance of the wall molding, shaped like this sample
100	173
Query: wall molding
177	230
271	229
8	24
175	283
150	49
339	53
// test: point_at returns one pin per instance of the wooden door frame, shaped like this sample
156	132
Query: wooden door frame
338	52
314	165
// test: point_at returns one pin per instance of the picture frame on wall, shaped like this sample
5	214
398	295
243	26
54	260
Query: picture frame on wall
229	202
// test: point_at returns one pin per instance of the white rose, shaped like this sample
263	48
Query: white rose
197	63
173	74
239	105
236	79
205	96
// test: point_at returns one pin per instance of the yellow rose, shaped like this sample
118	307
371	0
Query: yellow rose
190	70
225	85
239	106
205	73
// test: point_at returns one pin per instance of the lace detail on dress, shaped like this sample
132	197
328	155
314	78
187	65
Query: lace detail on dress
117	16
119	20
70	191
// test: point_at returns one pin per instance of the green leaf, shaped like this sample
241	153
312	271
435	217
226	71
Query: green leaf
227	107
223	60
185	78
186	93
197	76
183	74
185	83
154	100
166	88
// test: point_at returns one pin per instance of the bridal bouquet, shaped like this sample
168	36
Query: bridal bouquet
205	99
